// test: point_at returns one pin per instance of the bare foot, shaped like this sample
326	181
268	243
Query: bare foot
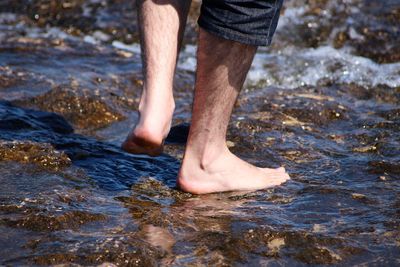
226	173
144	141
153	127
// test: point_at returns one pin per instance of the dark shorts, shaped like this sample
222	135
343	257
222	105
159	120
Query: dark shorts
246	21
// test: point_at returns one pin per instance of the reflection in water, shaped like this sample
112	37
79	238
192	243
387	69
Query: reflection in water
323	100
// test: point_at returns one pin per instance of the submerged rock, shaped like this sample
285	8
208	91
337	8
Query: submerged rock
8	77
383	167
41	154
82	109
48	222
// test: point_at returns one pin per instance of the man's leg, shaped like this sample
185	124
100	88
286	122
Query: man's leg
208	165
161	23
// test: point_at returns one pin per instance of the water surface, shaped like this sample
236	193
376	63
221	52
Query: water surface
323	100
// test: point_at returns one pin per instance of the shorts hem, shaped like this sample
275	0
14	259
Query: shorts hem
234	35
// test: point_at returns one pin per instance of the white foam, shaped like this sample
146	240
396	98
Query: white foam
293	67
135	48
89	39
291	16
289	67
48	32
298	67
187	58
99	35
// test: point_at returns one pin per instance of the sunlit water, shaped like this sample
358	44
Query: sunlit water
323	100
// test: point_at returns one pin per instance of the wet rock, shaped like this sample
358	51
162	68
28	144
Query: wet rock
319	255
392	115
323	190
356	91
301	155
384	167
313	34
370	28
59	13
316	110
7	78
305	247
48	222
14	80
340	39
375	33
363	198
317	115
275	244
315	25
106	20
145	205
317	249
387	125
386	94
32	120
302	107
378	45
83	109
380	93
312	31
370	139
243	137
364	149
41	154
131	252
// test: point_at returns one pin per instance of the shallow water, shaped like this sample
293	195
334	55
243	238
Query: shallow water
323	100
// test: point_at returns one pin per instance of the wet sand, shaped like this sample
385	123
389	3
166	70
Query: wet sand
323	100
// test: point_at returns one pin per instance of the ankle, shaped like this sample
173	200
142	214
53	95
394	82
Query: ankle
191	177
197	168
156	113
205	157
153	98
155	118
